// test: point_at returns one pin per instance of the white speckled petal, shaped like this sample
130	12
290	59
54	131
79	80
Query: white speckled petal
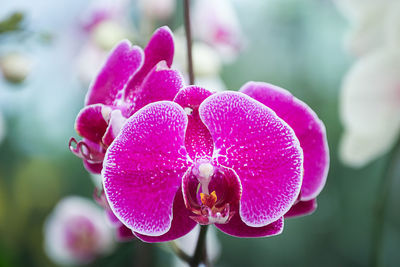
198	141
181	223
308	128
159	48
144	166
123	61
263	150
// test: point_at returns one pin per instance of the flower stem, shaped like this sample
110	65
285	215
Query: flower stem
200	254
179	252
380	208
188	40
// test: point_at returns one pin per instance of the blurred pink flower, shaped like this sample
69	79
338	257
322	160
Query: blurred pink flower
76	232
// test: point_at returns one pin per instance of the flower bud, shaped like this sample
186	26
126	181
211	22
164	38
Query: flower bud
15	67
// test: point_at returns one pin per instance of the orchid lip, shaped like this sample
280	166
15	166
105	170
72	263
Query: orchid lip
211	192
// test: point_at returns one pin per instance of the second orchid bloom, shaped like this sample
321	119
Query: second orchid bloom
177	156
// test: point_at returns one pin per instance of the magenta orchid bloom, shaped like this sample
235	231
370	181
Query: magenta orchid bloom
130	79
225	158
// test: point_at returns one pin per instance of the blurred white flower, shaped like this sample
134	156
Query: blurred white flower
188	244
76	232
370	107
370	95
373	23
392	25
216	23
15	66
157	9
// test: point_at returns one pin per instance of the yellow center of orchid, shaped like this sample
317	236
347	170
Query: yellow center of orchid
208	200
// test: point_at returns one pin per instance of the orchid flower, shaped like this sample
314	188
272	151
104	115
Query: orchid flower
129	80
239	160
76	232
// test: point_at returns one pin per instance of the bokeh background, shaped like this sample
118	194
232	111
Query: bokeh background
296	44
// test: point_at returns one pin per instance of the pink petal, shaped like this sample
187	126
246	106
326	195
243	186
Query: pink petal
302	208
180	226
143	168
93	167
261	148
124	233
122	63
111	217
160	84
115	124
90	122
87	150
159	48
237	227
309	130
198	141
